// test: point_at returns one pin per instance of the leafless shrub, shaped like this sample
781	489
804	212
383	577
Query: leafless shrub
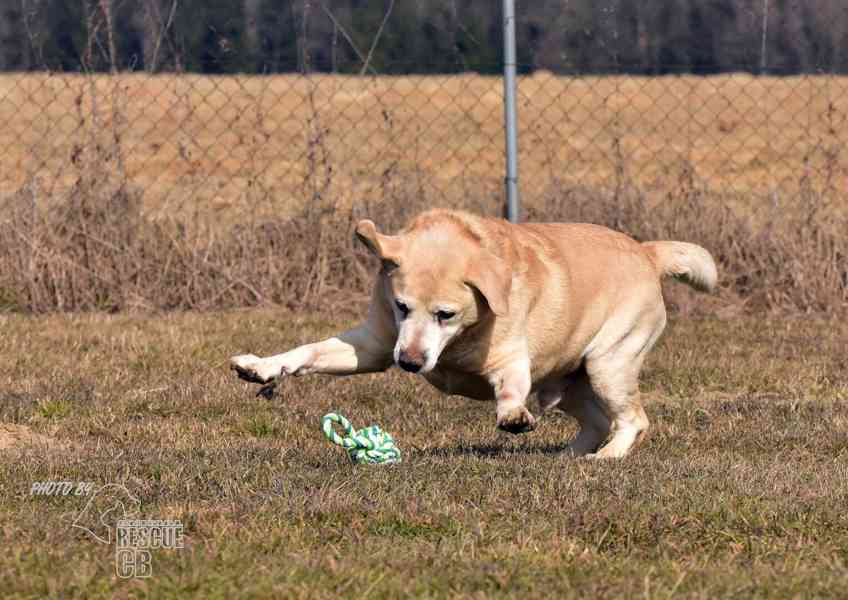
96	250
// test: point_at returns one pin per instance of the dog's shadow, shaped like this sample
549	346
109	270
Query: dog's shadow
489	450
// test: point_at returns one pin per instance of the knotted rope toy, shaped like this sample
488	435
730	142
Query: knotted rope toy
370	445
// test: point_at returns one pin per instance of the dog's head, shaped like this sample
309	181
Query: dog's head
441	281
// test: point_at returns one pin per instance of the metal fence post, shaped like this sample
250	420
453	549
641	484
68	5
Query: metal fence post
510	116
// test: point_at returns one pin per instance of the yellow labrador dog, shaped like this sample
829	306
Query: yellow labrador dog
492	310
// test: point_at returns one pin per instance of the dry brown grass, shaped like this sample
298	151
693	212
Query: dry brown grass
739	491
234	146
98	250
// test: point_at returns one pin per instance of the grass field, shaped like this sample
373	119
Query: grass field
231	143
740	490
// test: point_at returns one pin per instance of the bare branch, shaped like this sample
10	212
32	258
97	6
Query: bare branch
162	31
763	49
377	38
345	35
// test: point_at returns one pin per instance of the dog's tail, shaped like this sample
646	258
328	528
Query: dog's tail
686	262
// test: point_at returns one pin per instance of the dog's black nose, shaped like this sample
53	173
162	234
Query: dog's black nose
410	363
408	366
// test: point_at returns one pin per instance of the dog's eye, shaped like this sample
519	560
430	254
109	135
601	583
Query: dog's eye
403	308
445	315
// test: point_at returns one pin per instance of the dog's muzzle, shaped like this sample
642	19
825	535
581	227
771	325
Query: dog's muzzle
412	362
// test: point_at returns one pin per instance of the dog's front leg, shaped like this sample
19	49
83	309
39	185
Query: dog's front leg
355	351
512	386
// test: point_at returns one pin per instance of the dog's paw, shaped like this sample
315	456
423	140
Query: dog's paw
254	369
517	420
606	453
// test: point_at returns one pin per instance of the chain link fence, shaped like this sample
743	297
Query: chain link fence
234	144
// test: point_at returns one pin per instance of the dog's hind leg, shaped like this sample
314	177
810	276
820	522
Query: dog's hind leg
618	394
614	379
550	396
574	396
580	401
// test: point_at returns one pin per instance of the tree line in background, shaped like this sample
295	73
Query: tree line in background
424	36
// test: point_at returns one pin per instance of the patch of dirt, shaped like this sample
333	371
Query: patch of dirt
16	436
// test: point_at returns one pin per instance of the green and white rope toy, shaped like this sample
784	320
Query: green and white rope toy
370	445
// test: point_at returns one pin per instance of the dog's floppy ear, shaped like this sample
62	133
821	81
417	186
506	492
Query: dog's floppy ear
492	277
385	247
